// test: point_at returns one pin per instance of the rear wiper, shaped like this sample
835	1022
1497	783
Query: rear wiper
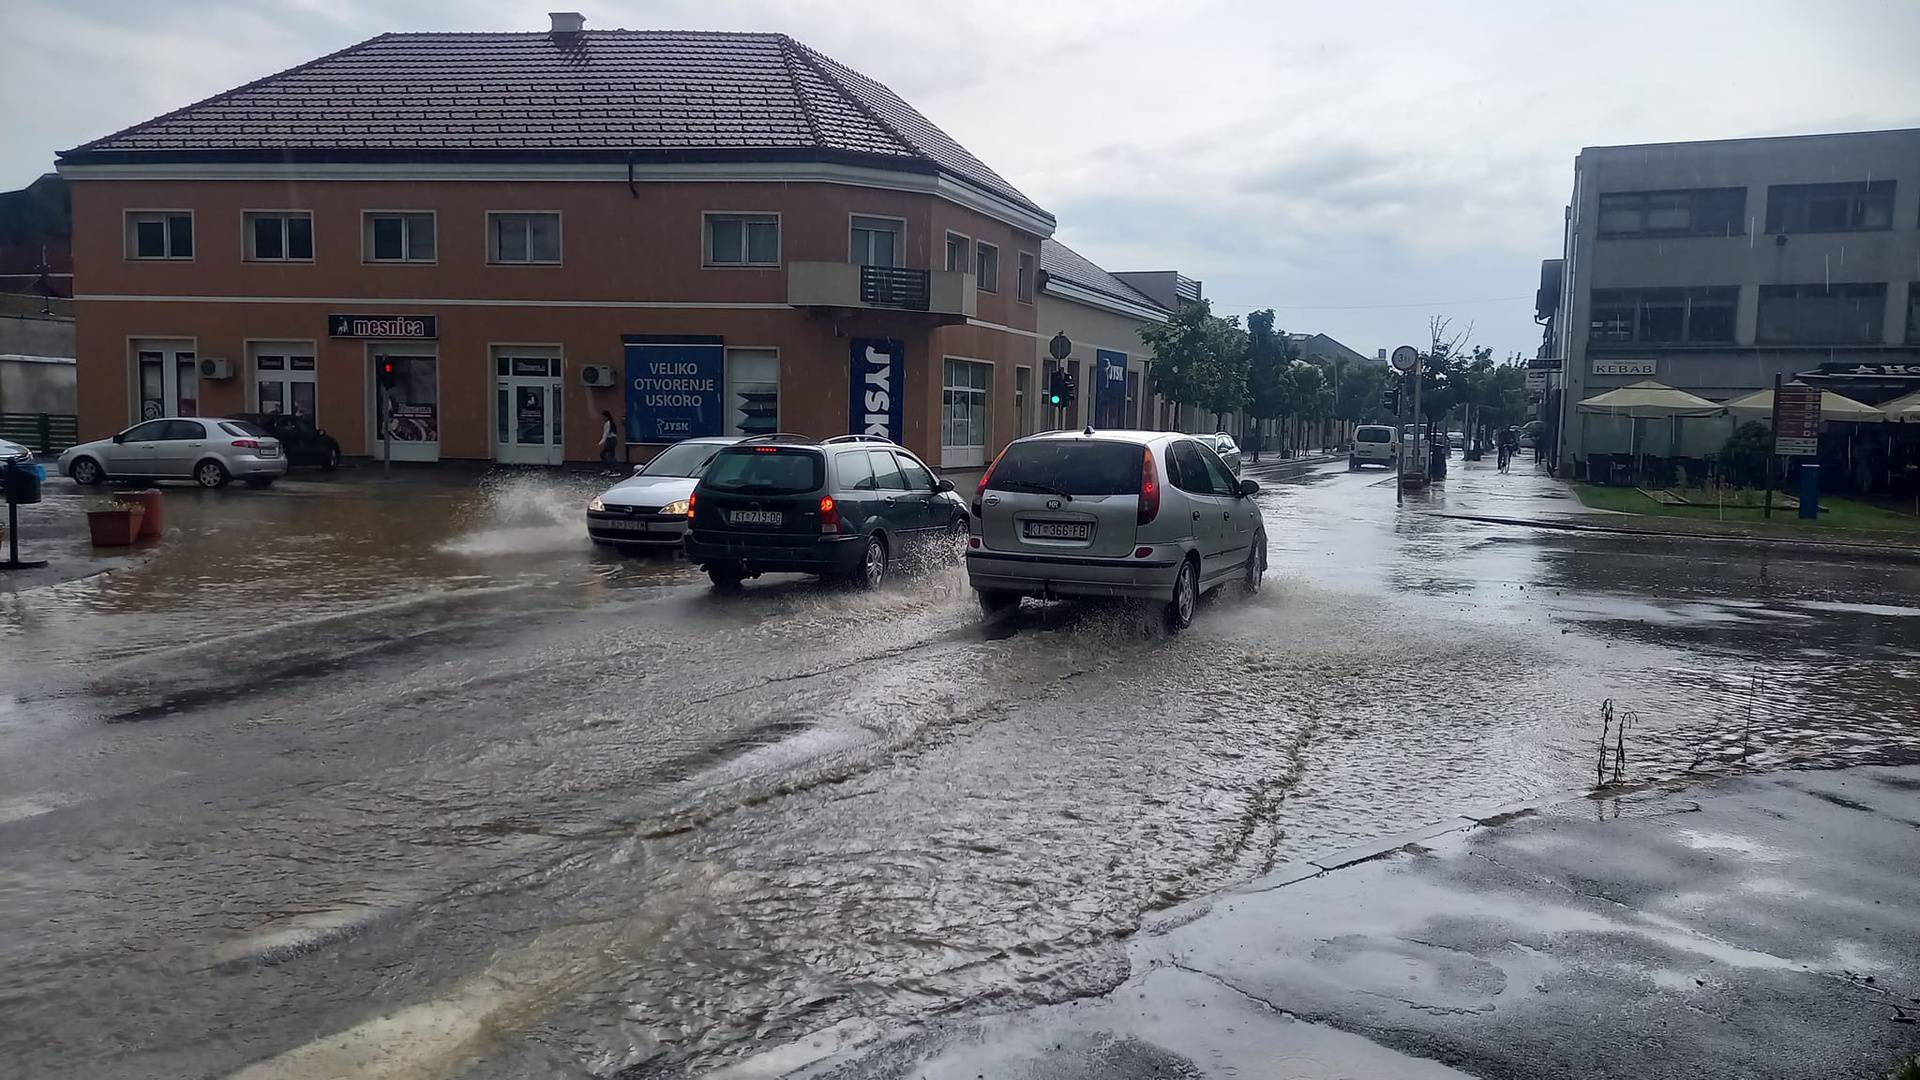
1034	485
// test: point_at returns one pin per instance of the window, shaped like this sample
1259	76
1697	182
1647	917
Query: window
285	379
1023	288
1219	478
957	254
854	470
963	419
281	236
766	470
1847	207
918	478
886	471
743	240
1822	314
1075	466
184	431
399	238
1186	470
522	238
1663	316
987	267
151	431
1699	212
753	391
160	234
876	241
1022	391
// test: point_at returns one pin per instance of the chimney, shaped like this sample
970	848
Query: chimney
567	22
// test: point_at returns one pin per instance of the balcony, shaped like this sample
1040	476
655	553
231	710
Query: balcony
949	296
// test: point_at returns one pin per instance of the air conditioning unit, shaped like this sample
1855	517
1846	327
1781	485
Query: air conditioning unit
213	368
597	374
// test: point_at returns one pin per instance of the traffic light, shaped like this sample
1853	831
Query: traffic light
1071	387
1057	392
1390	400
386	374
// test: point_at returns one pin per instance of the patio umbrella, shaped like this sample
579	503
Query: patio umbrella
1904	409
1759	405
1650	400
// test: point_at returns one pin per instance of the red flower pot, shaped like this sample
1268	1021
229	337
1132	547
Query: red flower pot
150	502
115	528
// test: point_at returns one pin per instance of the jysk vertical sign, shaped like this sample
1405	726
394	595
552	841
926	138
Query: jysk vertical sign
1110	387
675	387
876	388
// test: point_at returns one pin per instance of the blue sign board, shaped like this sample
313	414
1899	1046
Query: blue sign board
675	388
1109	388
876	388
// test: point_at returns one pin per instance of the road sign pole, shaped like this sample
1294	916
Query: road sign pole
1773	458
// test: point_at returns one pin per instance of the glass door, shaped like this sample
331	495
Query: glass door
527	427
168	381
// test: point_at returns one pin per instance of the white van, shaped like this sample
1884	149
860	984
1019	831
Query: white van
1373	444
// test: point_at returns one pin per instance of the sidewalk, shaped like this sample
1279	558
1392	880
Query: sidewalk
1748	926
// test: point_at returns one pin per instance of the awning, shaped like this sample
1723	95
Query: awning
1904	409
1649	399
1759	405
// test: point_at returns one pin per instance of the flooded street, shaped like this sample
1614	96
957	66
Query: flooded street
405	778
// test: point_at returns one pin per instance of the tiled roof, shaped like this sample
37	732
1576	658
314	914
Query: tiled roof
682	95
1061	261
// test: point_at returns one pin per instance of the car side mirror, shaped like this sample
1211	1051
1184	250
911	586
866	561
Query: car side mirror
120	438
943	485
1248	487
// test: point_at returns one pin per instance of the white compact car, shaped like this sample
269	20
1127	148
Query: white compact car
649	508
208	450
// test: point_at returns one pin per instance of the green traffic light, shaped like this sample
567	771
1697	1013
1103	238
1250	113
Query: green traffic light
1054	399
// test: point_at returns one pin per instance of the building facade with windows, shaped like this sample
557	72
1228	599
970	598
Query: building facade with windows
473	245
1102	316
1714	266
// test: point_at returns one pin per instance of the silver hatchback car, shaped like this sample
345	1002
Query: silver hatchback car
1142	514
208	450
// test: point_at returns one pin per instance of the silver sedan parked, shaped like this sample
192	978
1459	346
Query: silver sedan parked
207	450
1228	450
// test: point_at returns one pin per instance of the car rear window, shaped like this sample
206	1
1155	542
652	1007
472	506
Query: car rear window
240	429
1091	467
1373	434
766	470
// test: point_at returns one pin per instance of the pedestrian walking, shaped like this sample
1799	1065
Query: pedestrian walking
1508	440
1253	443
609	440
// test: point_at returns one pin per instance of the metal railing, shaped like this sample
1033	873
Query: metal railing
896	286
43	433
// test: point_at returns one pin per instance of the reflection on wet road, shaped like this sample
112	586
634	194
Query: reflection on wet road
408	779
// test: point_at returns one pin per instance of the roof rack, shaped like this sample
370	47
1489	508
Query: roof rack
777	436
858	438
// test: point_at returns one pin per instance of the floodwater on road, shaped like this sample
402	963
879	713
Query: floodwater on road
406	778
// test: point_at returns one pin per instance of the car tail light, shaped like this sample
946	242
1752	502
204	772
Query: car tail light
1149	487
246	444
1142	552
973	542
690	500
986	476
829	515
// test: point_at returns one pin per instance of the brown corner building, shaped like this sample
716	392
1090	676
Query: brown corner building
476	244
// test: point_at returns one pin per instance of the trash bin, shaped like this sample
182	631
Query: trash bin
23	480
1437	461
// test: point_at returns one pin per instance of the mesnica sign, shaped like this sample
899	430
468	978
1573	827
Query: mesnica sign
389	327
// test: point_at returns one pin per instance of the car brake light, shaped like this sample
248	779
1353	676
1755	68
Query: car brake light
988	475
690	499
246	444
766	450
1149	487
829	515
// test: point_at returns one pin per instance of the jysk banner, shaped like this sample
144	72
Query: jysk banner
876	390
674	387
1110	388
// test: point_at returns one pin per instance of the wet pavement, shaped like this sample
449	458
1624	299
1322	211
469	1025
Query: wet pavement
406	778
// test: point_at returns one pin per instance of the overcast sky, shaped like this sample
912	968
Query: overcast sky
1357	166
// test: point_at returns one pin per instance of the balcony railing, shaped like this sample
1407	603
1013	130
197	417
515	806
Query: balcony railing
894	286
949	294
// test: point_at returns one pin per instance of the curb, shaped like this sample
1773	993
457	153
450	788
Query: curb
1851	547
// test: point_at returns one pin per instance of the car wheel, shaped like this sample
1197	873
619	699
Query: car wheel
1256	564
993	602
1186	597
86	472
726	576
332	462
873	564
210	474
